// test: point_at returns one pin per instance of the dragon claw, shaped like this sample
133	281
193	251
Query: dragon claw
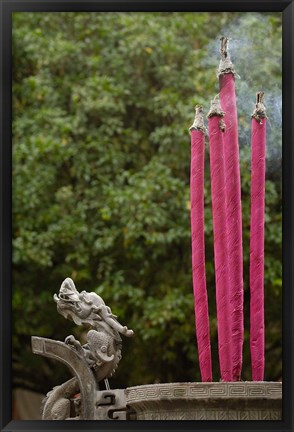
69	340
127	332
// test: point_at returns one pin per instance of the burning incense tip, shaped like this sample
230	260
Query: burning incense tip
260	97
199	109
215	108
260	111
226	66
198	123
224	46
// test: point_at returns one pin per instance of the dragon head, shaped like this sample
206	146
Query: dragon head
68	292
71	304
88	309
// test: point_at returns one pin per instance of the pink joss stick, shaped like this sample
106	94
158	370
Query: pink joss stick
198	132
216	129
226	76
258	142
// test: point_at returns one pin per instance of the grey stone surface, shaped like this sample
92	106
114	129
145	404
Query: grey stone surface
111	405
57	403
207	401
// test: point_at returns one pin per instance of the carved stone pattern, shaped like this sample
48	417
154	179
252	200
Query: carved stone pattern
38	345
210	415
271	390
207	401
110	401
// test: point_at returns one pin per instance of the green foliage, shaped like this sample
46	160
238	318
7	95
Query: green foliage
102	103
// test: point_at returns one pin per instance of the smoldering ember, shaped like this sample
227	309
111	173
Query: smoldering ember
88	395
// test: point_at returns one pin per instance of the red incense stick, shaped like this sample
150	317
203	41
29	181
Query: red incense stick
216	129
198	132
258	142
226	76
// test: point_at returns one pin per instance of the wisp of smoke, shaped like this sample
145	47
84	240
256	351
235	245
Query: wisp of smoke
257	58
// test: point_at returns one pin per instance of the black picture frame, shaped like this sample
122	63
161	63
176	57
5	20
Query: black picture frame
7	7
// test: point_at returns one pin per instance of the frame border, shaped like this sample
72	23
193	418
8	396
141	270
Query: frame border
6	9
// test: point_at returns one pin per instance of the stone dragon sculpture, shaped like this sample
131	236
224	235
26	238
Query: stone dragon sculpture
102	351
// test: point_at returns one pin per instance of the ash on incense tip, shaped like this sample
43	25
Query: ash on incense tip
225	66
260	111
216	110
198	123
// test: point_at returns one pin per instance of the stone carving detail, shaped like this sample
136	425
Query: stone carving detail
103	349
207	401
250	389
210	415
91	363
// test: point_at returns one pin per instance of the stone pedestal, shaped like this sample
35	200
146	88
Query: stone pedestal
206	401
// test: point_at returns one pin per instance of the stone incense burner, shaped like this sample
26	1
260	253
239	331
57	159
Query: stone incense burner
82	397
